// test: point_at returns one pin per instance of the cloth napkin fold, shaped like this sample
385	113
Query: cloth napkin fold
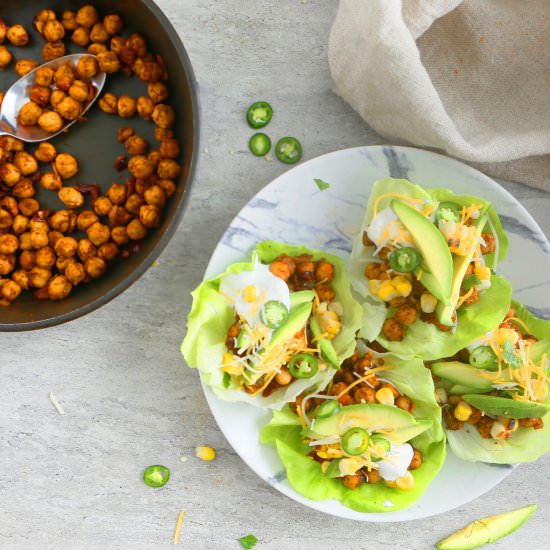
468	77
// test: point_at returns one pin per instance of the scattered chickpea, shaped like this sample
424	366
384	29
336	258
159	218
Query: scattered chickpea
18	36
24	66
66	165
71	197
53	50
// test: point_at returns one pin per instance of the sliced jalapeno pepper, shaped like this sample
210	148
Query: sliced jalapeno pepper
243	340
483	357
405	260
383	447
328	408
448	212
156	476
303	365
288	150
259	114
259	144
273	314
355	441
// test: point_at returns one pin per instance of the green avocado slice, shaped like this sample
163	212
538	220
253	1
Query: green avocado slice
464	375
504	406
433	247
397	425
296	320
325	345
486	530
460	389
300	297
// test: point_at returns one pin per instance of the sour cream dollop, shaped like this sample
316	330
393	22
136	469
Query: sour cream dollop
396	462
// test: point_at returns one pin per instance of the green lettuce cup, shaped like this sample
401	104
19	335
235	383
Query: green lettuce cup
371	455
423	265
266	330
495	394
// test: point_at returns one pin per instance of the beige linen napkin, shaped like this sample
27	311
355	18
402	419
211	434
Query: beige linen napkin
468	77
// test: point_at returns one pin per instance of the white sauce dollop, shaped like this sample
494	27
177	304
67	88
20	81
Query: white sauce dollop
385	226
396	462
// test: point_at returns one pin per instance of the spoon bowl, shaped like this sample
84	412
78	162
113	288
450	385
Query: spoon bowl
18	94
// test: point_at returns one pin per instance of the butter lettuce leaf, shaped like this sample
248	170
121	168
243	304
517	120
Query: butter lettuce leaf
304	474
211	316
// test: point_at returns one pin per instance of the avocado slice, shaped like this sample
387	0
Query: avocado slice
460	265
397	425
504	406
460	389
328	353
486	530
297	298
464	375
296	321
433	247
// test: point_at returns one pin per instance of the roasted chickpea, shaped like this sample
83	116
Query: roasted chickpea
81	36
154	157
18	36
108	103
50	121
51	181
118	215
10	204
136	230
86	250
145	107
29	114
66	247
99	34
72	198
98	233
44	76
126	106
24	66
117	193
157	91
8	244
53	31
25	245
7	263
45	257
141	167
163	133
42	18
155	195
11	290
69	108
68	20
113	24
66	165
102	205
87	16
10	174
124	133
29	207
149	215
40	94
45	152
27	259
61	263
57	97
75	273
119	235
21	277
85	219
87	67
10	143
20	224
108	62
96	48
64	221
25	163
168	169
53	50
169	148
24	189
108	251
136	145
4	29
140	186
59	287
148	71
95	267
118	43
39	239
79	91
5	57
163	115
6	219
53	237
134	203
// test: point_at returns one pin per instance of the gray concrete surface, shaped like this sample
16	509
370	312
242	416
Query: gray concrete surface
74	481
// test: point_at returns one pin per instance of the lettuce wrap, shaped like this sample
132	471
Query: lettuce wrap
513	396
310	478
452	288
209	342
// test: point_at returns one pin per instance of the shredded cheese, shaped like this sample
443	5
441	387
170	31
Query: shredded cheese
369	374
56	404
464	297
178	528
397	195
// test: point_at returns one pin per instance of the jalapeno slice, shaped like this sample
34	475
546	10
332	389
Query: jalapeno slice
259	144
355	441
405	260
259	114
448	212
243	340
156	476
328	408
303	365
273	314
483	357
382	447
288	150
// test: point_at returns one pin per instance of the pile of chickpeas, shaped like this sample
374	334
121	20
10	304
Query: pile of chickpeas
51	252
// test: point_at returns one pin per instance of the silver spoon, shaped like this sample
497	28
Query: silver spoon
18	95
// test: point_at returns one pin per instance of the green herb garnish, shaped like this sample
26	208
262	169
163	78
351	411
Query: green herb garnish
248	542
322	185
226	380
470	281
509	356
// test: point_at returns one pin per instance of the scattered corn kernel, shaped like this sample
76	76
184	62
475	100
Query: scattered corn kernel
463	411
250	294
205	453
385	396
329	323
428	302
387	291
483	272
441	395
507	334
404	483
402	285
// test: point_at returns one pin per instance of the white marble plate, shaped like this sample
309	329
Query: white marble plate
292	209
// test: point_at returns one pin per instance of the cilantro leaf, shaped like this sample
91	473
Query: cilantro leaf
248	542
226	380
322	185
470	281
509	356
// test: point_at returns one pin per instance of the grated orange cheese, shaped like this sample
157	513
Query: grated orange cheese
369	374
178	528
464	297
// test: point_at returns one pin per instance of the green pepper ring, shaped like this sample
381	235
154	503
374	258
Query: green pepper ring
297	369
453	207
251	114
483	357
156	475
358	449
259	144
405	260
288	150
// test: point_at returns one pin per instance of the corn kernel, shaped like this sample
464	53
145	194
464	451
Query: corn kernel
402	285
463	411
428	303
387	291
507	334
404	483
227	358
330	324
250	294
385	396
205	453
483	272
